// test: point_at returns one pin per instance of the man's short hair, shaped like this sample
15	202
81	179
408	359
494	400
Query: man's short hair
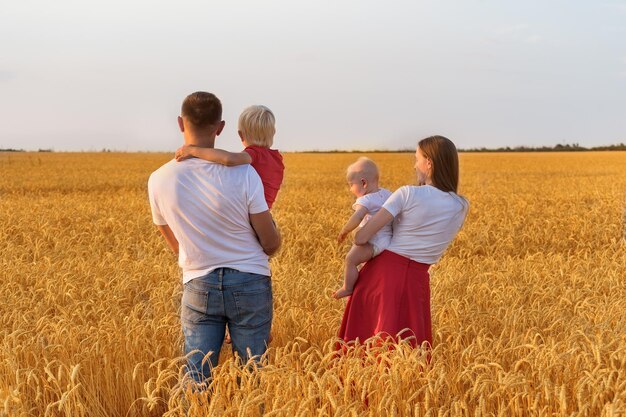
256	123
202	109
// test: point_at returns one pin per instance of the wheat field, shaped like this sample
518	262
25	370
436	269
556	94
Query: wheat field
529	302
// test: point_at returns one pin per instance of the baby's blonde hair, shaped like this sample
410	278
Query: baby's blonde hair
256	123
363	168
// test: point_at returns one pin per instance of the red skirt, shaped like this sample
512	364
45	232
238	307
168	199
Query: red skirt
391	297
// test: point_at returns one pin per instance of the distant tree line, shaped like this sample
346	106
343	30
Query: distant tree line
557	148
575	147
22	150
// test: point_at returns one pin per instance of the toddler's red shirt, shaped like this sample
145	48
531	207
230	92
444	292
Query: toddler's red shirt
268	163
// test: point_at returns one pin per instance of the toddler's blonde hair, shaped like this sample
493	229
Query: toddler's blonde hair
256	123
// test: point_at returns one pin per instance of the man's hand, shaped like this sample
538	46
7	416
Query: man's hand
342	235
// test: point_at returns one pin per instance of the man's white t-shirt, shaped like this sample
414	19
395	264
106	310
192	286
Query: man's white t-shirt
426	220
207	206
372	203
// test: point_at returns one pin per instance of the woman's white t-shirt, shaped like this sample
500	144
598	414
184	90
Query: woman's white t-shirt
426	220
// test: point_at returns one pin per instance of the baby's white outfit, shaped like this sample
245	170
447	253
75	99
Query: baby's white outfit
372	203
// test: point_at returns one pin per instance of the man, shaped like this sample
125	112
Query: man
217	220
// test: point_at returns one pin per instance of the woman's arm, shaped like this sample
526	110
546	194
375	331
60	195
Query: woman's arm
214	155
373	225
353	222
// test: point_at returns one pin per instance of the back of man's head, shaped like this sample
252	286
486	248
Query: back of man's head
201	109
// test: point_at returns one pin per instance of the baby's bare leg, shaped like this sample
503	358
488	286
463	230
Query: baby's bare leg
356	256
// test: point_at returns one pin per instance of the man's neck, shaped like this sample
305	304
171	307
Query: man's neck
199	140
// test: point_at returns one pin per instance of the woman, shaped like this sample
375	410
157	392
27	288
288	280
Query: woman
392	294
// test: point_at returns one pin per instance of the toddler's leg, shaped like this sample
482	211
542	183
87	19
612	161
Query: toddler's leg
356	256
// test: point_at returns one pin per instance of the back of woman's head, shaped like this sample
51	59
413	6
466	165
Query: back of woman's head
444	160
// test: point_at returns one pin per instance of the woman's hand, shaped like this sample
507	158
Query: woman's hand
373	225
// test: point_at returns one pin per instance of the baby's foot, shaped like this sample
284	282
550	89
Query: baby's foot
342	292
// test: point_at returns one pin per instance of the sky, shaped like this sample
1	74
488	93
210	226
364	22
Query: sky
81	75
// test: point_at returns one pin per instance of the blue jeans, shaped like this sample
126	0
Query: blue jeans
225	296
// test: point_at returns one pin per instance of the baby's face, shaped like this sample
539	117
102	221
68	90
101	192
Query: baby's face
357	188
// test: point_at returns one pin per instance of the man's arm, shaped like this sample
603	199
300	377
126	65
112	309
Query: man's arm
171	240
214	155
266	231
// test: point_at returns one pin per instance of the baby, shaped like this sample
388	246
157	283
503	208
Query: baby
362	179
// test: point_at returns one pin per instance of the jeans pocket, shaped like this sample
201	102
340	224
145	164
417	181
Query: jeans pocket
193	304
254	306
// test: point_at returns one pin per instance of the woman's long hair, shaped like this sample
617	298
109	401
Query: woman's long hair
444	161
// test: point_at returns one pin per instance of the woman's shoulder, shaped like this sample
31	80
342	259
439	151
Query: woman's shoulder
431	190
414	190
427	193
